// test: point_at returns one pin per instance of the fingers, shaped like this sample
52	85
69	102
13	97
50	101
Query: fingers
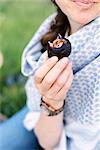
43	70
54	78
62	93
53	74
60	82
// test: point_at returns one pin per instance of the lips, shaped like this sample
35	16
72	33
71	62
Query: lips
85	4
85	1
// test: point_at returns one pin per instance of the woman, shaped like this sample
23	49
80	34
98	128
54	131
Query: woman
59	83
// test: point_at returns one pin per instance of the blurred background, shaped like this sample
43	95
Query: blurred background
19	20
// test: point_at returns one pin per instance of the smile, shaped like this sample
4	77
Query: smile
84	4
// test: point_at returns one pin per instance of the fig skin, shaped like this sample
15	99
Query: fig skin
63	51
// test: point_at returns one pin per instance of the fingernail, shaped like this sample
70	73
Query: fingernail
64	59
54	58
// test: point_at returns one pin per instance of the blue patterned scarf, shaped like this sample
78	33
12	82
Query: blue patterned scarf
83	99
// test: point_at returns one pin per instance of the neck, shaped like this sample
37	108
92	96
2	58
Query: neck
74	26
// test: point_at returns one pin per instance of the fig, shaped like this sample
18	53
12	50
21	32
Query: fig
60	47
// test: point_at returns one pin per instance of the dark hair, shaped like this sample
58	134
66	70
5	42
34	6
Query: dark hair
59	25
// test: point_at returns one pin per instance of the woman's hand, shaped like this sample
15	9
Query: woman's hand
53	80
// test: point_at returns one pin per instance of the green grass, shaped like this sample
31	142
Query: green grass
19	20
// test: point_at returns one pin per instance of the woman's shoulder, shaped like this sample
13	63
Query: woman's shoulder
32	51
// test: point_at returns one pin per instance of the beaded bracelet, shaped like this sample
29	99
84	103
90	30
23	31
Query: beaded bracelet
50	110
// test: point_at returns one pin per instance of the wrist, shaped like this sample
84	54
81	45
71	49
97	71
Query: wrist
50	110
54	103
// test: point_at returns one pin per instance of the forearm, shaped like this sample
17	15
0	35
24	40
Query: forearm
48	130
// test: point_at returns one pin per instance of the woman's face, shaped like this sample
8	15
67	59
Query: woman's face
80	11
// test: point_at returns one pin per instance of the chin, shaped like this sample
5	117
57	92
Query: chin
84	20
